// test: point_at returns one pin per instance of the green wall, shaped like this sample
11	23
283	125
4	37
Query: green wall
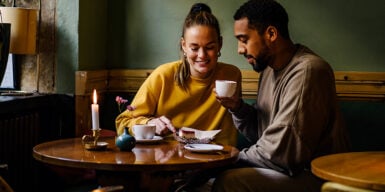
151	30
132	34
93	36
67	39
82	39
349	34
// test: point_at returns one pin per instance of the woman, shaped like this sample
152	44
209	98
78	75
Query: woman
180	93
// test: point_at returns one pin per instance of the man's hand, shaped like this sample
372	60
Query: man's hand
233	103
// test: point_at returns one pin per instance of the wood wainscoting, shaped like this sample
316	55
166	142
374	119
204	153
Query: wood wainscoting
350	85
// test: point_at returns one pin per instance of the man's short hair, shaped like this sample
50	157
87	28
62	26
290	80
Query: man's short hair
264	13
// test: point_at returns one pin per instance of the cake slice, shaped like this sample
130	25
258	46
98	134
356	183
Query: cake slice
187	134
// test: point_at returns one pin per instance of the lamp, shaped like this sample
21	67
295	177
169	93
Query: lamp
23	33
23	29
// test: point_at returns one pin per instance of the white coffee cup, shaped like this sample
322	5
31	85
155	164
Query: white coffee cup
145	131
225	88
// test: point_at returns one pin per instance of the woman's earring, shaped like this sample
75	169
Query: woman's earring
219	53
184	54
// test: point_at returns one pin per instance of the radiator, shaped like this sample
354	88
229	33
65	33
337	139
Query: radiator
18	135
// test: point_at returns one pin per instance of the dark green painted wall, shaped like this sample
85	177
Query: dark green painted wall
144	34
349	34
67	38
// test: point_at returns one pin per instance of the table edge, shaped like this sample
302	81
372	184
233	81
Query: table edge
134	167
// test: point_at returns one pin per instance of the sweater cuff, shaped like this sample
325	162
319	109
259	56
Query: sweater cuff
241	111
239	107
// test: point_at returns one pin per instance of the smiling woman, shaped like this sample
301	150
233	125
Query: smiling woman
180	93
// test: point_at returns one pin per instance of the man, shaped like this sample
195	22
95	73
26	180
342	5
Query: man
295	117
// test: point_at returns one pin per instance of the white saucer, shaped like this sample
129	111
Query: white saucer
203	148
153	140
98	146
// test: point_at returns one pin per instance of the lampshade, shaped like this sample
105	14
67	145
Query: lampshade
23	28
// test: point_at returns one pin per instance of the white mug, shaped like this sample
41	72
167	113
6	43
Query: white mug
145	131
225	88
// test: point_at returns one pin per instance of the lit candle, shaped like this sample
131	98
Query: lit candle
95	113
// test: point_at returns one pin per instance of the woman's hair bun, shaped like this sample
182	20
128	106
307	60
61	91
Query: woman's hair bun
198	7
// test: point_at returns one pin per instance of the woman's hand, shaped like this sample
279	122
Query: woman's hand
163	125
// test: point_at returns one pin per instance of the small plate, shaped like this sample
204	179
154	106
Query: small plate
153	140
98	146
203	148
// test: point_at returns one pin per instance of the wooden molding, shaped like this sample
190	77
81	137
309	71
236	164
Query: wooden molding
350	85
367	86
126	80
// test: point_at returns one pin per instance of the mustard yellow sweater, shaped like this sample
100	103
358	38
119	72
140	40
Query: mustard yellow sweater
196	108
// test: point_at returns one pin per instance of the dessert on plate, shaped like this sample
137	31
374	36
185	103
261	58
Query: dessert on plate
190	135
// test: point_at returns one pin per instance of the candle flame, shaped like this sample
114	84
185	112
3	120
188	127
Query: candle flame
95	97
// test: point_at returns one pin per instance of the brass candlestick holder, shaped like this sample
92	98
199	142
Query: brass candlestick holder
90	142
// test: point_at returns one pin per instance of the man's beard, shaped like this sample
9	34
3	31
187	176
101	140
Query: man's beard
259	66
260	62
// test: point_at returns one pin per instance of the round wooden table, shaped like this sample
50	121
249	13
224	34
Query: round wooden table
149	167
364	170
